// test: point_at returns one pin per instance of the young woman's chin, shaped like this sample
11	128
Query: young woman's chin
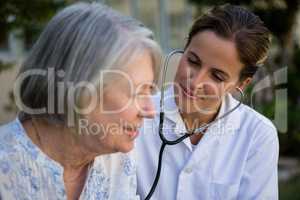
202	106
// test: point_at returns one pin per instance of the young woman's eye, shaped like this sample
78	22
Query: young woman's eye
218	77
193	61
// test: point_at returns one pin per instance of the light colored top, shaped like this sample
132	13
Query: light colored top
235	159
27	173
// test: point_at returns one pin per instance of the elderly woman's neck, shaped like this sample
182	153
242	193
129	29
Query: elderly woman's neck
59	144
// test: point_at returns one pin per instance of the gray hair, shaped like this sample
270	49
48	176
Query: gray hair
77	44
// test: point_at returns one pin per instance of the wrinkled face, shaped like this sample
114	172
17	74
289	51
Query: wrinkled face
208	69
125	101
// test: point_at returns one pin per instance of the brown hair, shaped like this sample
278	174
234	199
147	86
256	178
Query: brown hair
251	36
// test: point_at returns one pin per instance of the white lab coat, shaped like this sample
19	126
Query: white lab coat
236	158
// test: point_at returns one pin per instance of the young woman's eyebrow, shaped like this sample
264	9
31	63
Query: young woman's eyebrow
226	75
217	69
195	55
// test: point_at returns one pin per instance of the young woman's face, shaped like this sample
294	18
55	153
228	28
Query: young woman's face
208	69
126	100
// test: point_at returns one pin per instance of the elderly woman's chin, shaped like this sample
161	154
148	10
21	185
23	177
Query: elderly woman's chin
111	142
123	143
126	147
128	144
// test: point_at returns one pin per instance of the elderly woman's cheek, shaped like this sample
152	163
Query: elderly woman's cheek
130	114
116	101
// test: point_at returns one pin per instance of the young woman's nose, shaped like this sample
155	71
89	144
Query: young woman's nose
197	78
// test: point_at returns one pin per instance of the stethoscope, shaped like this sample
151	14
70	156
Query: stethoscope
165	141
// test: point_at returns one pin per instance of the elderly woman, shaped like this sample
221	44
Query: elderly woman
83	93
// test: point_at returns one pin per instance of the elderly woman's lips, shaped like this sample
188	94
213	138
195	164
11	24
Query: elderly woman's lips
131	132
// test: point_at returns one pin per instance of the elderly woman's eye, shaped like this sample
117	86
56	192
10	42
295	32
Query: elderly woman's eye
153	90
147	89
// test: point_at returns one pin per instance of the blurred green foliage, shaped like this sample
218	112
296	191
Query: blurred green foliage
29	16
290	190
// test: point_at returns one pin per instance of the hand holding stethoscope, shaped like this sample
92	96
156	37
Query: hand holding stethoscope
198	130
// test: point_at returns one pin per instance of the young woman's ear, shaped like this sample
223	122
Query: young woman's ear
243	84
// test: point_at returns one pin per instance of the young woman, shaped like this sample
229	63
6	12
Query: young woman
236	158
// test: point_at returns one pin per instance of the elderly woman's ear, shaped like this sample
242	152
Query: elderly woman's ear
74	117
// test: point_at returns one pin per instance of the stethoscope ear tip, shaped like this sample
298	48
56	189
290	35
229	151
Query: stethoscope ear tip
240	91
